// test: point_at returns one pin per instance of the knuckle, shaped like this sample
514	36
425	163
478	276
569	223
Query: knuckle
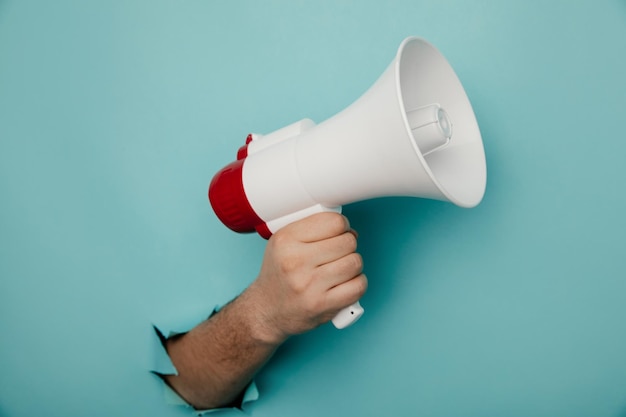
279	239
289	265
355	261
337	223
299	287
361	285
350	241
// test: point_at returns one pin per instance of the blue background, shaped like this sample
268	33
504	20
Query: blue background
114	116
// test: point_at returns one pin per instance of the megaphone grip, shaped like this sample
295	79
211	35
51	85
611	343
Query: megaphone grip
347	315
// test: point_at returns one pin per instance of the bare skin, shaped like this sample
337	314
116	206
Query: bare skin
310	271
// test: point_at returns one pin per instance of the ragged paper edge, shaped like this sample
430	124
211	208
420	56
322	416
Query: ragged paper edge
163	365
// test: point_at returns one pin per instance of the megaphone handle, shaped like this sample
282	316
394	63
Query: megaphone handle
348	316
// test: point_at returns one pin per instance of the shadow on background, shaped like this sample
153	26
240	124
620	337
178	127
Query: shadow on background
384	224
400	220
403	222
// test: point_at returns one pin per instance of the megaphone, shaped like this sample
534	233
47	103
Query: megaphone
413	133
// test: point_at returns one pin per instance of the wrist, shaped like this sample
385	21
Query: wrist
258	317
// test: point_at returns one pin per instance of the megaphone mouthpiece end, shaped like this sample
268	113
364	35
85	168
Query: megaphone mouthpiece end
443	121
430	127
229	201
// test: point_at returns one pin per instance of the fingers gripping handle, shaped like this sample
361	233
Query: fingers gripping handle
348	316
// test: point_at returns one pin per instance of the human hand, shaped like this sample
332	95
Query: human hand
310	271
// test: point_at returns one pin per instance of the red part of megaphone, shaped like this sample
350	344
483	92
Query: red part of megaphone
229	200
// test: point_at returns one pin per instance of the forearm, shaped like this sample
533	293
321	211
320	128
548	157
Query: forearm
218	358
310	271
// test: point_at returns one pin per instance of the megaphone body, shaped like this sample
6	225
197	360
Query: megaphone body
413	133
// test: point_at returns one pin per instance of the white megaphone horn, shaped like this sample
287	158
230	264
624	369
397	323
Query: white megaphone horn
413	133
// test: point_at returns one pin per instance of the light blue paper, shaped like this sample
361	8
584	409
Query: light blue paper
163	364
172	398
114	116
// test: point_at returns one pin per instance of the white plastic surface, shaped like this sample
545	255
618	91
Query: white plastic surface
279	223
430	127
348	316
368	150
261	142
